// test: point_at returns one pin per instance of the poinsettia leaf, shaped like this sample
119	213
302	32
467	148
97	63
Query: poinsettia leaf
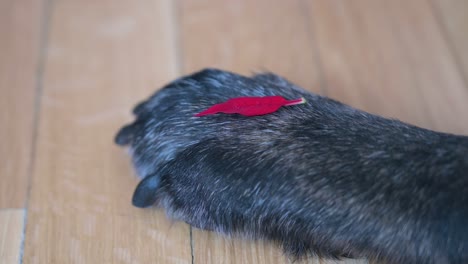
251	106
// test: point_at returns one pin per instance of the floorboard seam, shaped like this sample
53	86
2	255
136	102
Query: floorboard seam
39	85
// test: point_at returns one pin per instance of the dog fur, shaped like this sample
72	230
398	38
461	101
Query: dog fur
321	178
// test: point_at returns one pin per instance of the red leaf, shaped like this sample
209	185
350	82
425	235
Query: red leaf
251	106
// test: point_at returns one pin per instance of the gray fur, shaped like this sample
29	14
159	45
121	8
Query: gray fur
321	178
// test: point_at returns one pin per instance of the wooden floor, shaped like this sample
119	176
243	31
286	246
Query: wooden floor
70	71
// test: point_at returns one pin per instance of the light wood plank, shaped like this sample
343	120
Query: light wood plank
210	247
249	36
20	23
389	58
102	57
453	17
362	59
433	67
11	233
223	250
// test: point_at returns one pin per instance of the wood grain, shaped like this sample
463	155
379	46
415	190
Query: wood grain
247	37
362	59
225	250
11	233
453	18
20	23
210	247
434	70
375	61
102	57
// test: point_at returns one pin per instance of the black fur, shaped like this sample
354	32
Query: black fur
320	178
